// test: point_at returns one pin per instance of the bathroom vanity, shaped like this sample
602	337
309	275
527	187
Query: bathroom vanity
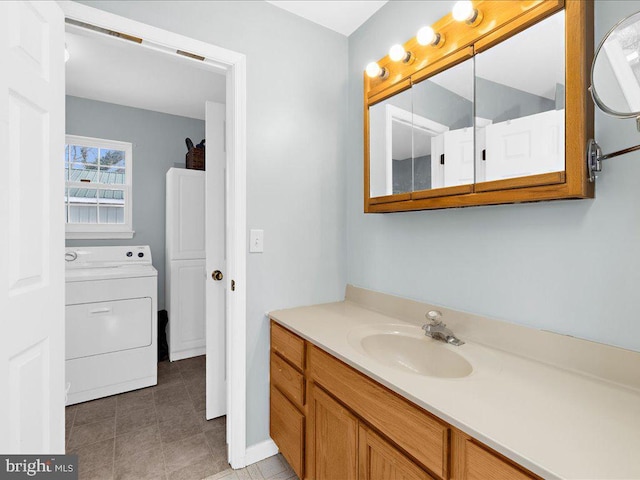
511	402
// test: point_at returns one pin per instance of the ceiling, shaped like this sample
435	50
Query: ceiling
342	16
113	70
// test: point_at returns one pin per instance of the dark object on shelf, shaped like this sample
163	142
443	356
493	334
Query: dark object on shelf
195	155
195	159
163	346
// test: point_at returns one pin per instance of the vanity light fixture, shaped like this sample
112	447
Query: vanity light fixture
373	70
398	53
428	36
463	11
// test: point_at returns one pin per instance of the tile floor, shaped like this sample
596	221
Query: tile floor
158	432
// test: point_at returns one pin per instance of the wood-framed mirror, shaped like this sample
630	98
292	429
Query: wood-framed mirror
497	112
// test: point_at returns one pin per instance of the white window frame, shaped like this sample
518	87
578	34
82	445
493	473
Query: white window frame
105	231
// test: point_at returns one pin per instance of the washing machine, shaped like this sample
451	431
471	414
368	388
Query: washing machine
111	321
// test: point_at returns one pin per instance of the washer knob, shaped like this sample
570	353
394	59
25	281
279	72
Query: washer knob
140	254
129	254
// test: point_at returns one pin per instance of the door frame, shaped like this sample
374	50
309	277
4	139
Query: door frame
233	65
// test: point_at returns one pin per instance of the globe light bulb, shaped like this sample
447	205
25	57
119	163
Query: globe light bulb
397	53
427	36
463	11
373	70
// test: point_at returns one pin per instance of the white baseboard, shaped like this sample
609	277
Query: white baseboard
183	354
260	451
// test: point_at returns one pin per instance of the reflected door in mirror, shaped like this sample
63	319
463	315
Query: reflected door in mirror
520	94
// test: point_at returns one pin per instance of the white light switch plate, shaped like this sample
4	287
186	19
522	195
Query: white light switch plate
256	241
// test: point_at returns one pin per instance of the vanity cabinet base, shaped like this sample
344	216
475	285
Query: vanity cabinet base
350	427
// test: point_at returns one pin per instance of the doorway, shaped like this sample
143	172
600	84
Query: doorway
232	65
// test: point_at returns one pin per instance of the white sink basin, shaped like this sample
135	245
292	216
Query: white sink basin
406	348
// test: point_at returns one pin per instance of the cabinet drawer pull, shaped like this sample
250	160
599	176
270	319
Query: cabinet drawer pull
100	310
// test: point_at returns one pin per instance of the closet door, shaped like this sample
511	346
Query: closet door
187	318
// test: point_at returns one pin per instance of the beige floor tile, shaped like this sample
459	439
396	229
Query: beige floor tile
217	440
254	472
169	377
139	440
127	402
228	474
69	415
169	411
167	366
171	394
193	363
178	428
186	451
95	411
105	473
143	465
198	469
219	423
136	419
271	466
94	457
92	433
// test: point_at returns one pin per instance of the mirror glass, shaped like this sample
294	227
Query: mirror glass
390	146
443	129
615	76
520	95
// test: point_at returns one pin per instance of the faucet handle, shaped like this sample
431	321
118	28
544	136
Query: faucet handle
434	317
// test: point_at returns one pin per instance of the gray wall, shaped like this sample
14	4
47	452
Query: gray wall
568	266
158	143
296	107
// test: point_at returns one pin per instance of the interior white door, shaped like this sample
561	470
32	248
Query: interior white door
32	232
525	146
215	307
459	157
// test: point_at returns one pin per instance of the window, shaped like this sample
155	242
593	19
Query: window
98	188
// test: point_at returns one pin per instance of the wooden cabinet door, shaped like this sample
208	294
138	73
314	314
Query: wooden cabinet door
334	439
286	426
379	460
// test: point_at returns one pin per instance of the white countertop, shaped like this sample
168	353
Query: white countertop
553	421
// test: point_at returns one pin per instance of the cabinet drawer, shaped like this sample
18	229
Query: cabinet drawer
288	345
481	464
286	427
418	433
287	379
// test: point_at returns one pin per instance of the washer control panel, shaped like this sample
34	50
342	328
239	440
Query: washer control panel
96	257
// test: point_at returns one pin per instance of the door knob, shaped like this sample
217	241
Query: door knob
217	275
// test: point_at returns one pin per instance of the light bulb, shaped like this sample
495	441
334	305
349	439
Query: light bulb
373	70
428	36
463	11
397	53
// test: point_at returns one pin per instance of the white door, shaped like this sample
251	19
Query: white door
525	146
215	308
32	232
459	157
187	308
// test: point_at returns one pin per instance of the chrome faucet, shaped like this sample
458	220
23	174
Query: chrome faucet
437	330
